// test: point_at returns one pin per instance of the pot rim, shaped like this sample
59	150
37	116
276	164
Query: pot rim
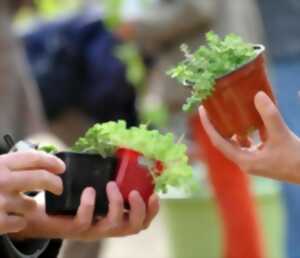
259	49
81	154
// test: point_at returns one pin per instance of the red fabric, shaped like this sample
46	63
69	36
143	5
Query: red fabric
242	235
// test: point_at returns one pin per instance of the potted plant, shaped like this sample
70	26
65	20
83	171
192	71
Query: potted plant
136	158
224	77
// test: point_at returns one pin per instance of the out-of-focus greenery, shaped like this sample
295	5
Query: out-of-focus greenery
113	13
128	52
136	70
50	8
130	56
46	9
157	116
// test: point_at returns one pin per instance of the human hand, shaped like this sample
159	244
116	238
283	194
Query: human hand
83	226
24	172
278	157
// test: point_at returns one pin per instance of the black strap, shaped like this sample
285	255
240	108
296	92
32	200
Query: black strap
22	249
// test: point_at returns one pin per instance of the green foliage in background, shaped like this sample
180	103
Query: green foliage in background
113	13
157	116
200	69
50	8
128	53
131	57
51	149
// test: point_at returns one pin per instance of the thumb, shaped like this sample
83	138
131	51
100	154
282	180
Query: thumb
270	115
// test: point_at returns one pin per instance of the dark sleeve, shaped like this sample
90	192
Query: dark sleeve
28	249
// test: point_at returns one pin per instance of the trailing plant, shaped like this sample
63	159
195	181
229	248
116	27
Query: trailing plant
200	69
105	139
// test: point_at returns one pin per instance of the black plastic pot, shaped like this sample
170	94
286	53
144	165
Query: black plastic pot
82	170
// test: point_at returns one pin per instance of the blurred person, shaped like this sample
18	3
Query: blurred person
281	23
22	116
74	63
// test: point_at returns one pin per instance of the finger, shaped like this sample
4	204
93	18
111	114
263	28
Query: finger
116	205
32	160
270	115
32	180
153	209
85	213
137	214
19	204
3	169
229	150
11	224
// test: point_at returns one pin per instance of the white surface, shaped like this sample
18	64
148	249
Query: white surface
152	243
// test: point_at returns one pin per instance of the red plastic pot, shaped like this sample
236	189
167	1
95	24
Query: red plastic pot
231	107
132	174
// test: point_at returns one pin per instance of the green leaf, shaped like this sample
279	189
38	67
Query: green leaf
51	149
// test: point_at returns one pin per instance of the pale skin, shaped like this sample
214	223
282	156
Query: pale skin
21	217
278	157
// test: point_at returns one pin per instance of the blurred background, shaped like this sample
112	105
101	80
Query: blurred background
100	60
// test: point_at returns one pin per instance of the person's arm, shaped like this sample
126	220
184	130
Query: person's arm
278	157
169	21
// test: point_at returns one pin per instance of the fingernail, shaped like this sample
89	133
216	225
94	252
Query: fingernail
112	186
261	95
63	166
90	195
135	194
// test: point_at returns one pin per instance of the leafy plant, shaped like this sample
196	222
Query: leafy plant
51	149
106	138
199	70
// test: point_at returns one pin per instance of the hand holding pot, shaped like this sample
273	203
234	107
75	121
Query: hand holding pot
24	172
84	227
278	157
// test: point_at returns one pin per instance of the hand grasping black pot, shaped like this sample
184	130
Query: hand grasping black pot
22	172
83	226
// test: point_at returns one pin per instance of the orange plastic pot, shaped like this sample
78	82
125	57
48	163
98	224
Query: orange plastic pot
231	107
